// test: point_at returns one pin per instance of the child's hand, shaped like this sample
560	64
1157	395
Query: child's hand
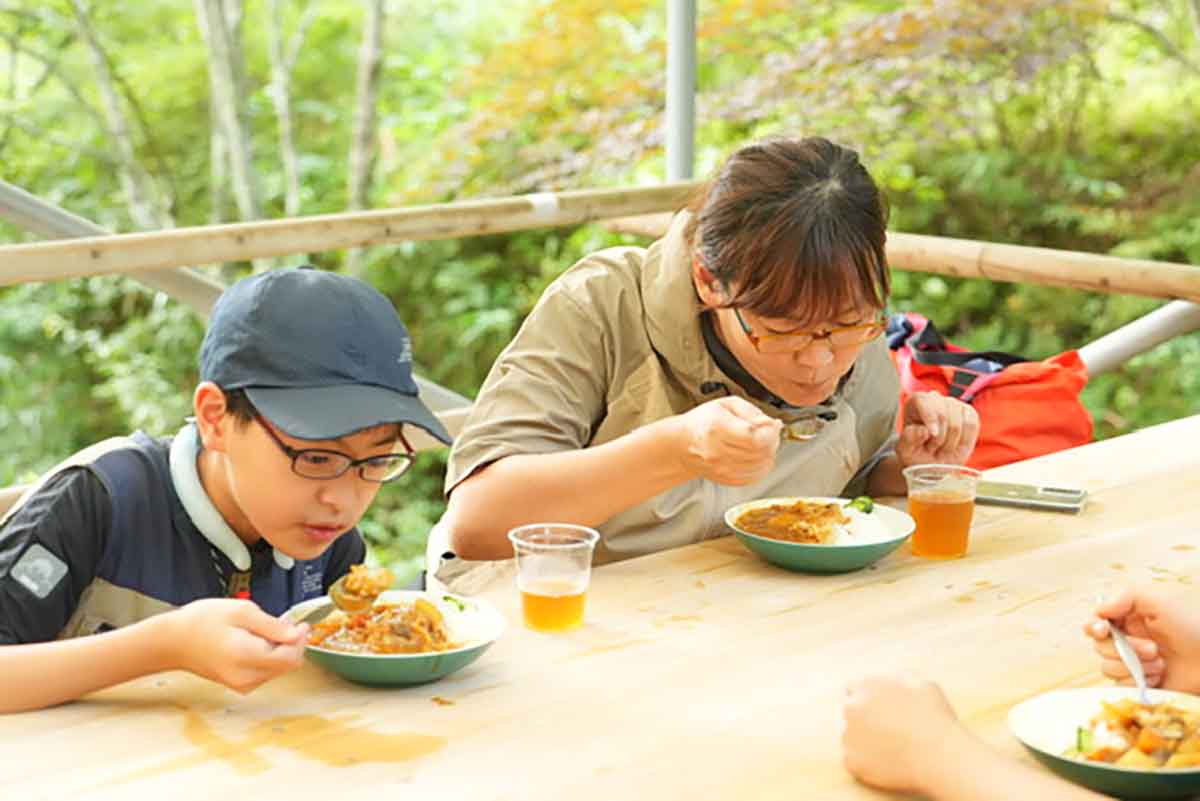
235	643
891	724
1163	629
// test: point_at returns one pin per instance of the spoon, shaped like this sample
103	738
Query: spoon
1130	658
352	602
801	430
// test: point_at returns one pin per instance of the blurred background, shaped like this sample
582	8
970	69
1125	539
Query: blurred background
1070	124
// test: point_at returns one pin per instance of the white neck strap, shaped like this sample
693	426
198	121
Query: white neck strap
199	506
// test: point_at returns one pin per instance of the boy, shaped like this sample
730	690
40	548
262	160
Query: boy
182	553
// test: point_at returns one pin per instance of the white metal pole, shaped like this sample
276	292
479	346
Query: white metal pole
1114	349
681	89
42	217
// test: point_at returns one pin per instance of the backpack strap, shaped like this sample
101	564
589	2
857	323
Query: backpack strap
972	371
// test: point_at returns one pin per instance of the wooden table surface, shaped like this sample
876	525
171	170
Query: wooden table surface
701	673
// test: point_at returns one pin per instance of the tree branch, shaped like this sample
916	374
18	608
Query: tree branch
362	149
218	161
15	120
297	41
162	167
1164	43
362	145
134	180
227	101
54	68
14	65
1196	19
20	13
282	64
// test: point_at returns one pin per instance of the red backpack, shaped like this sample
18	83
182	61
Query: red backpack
1025	408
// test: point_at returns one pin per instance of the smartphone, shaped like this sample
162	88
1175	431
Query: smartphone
1029	496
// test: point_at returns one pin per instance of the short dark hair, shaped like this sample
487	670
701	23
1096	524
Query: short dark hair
238	405
790	224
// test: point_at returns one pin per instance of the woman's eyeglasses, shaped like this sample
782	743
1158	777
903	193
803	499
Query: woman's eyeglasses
846	336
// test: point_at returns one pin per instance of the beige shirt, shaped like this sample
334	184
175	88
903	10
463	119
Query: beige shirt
615	343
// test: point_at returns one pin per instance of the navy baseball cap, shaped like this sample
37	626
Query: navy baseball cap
320	355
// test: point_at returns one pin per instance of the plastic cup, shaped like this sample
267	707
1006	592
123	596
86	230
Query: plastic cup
554	567
941	500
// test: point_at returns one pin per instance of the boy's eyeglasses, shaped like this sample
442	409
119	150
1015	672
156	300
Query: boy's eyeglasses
324	465
845	336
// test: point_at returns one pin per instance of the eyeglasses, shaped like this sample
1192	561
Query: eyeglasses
845	336
325	465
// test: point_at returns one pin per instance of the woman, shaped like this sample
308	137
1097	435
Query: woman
651	389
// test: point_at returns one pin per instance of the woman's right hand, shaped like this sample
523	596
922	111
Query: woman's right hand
233	642
729	441
1164	630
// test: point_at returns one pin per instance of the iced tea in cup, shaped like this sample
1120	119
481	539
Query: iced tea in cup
554	565
941	500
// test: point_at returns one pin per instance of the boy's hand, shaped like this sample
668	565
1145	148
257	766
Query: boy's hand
235	643
729	441
1164	630
893	723
937	430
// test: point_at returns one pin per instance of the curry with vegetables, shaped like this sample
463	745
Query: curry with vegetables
812	522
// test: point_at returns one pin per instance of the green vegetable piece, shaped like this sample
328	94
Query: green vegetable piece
1083	741
461	606
863	504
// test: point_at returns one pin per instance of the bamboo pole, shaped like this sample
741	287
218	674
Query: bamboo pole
1066	268
131	253
1012	263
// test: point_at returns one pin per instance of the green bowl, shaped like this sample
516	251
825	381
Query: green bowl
469	620
882	530
1046	724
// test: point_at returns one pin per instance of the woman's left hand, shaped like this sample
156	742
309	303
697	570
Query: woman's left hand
937	430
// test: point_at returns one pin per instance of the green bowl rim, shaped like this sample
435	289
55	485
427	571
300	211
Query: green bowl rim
483	605
806	546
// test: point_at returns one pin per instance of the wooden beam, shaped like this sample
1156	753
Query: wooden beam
132	253
1013	263
1020	264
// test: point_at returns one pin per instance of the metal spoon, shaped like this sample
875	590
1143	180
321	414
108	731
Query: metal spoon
1132	663
801	430
350	603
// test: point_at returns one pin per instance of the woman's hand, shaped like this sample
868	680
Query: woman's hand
729	441
1164	630
937	430
233	642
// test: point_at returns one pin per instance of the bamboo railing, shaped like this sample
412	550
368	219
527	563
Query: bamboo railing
966	258
178	247
181	247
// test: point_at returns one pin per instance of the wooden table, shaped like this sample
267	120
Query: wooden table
701	673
